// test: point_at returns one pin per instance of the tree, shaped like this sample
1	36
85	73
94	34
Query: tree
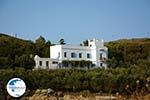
6	62
48	43
24	61
85	43
62	41
40	40
46	51
40	46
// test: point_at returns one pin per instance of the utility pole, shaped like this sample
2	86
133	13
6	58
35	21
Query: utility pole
148	34
15	35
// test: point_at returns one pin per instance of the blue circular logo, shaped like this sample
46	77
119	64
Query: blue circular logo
16	87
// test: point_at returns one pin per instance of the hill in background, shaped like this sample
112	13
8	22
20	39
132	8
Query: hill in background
127	52
15	52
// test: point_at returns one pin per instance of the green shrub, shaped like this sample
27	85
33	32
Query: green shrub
96	80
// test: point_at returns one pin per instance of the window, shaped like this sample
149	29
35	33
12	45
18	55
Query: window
40	63
47	63
65	54
102	50
101	56
80	55
54	62
73	55
88	55
101	64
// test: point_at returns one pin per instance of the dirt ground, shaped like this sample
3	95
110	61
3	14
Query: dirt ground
80	97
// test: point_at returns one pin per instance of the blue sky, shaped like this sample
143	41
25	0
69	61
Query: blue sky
75	20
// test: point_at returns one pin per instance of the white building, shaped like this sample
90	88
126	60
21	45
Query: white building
95	52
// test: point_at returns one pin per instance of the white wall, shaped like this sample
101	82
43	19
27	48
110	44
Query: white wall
77	50
51	65
55	52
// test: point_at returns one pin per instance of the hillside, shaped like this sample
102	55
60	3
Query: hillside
15	52
127	52
133	79
11	46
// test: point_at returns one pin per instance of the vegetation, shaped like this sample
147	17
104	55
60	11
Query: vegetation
75	64
129	61
124	53
62	41
85	43
16	52
97	80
